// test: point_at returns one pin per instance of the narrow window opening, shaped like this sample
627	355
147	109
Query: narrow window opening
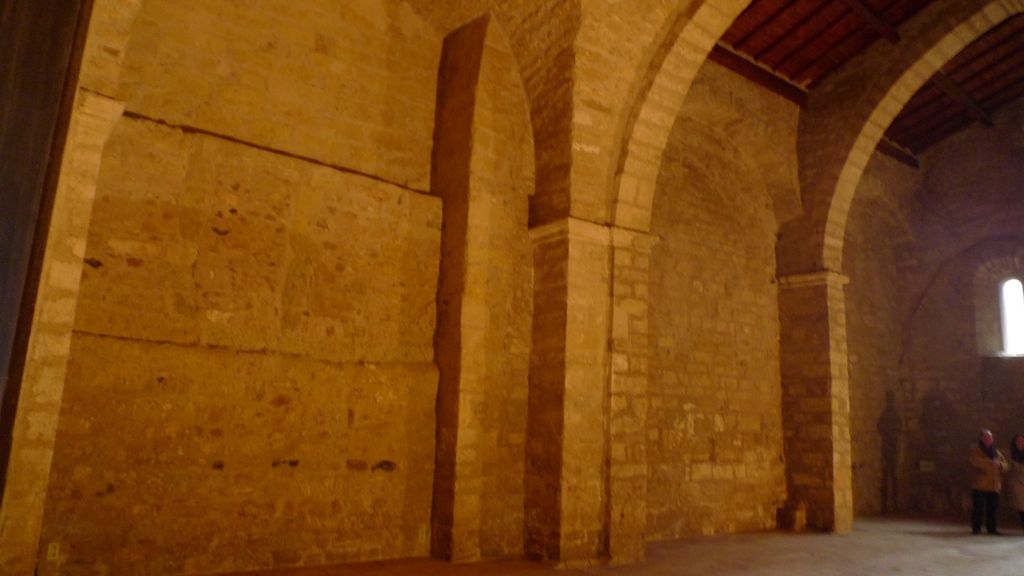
1013	317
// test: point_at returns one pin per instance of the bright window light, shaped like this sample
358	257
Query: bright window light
1013	317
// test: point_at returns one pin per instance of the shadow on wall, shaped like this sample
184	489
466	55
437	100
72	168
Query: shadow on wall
941	438
890	427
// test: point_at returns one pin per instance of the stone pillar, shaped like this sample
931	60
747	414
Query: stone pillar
456	505
481	346
627	477
816	398
566	448
42	386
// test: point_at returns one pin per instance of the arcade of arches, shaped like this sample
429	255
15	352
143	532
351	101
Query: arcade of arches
330	282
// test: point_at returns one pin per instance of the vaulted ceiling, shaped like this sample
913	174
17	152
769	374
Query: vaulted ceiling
980	80
792	45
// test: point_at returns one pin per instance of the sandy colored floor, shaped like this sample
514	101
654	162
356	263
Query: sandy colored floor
874	547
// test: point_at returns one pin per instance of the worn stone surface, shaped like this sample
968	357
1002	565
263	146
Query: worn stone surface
927	253
715	424
875	546
241	326
303	270
968	241
877	235
483	162
350	84
43	380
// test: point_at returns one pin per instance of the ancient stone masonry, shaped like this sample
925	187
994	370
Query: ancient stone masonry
43	382
877	236
335	282
482	170
815	398
959	227
224	266
714	426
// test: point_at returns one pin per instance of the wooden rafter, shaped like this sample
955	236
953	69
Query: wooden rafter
780	9
785	34
957	93
758	74
897	152
822	32
873	20
828	55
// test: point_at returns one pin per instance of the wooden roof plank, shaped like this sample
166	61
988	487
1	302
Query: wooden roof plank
895	151
927	102
993	77
758	74
785	34
875	21
827	60
866	38
815	44
740	42
965	72
957	93
920	131
937	114
949	128
1010	92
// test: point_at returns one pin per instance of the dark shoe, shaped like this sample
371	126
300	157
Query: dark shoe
976	532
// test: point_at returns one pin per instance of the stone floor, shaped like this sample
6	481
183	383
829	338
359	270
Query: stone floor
874	547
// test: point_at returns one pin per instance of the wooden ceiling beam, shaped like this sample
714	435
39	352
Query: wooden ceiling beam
782	7
924	130
758	74
957	93
1008	93
897	152
828	57
986	56
873	20
990	77
940	133
785	35
822	32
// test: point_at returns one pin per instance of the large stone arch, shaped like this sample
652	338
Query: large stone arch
93	114
684	47
482	169
685	40
843	121
846	117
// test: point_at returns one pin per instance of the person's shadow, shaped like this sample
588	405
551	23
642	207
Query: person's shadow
890	427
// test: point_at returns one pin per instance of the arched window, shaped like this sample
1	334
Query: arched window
1012	305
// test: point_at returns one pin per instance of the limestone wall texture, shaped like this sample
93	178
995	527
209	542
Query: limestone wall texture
925	263
483	172
876	238
715	450
968	240
252	380
234	358
322	319
348	84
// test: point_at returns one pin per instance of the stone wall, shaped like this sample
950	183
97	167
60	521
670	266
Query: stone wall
877	234
483	171
233	357
925	258
251	381
715	425
968	240
348	84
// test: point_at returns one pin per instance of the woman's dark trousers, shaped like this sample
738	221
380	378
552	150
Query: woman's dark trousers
985	504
